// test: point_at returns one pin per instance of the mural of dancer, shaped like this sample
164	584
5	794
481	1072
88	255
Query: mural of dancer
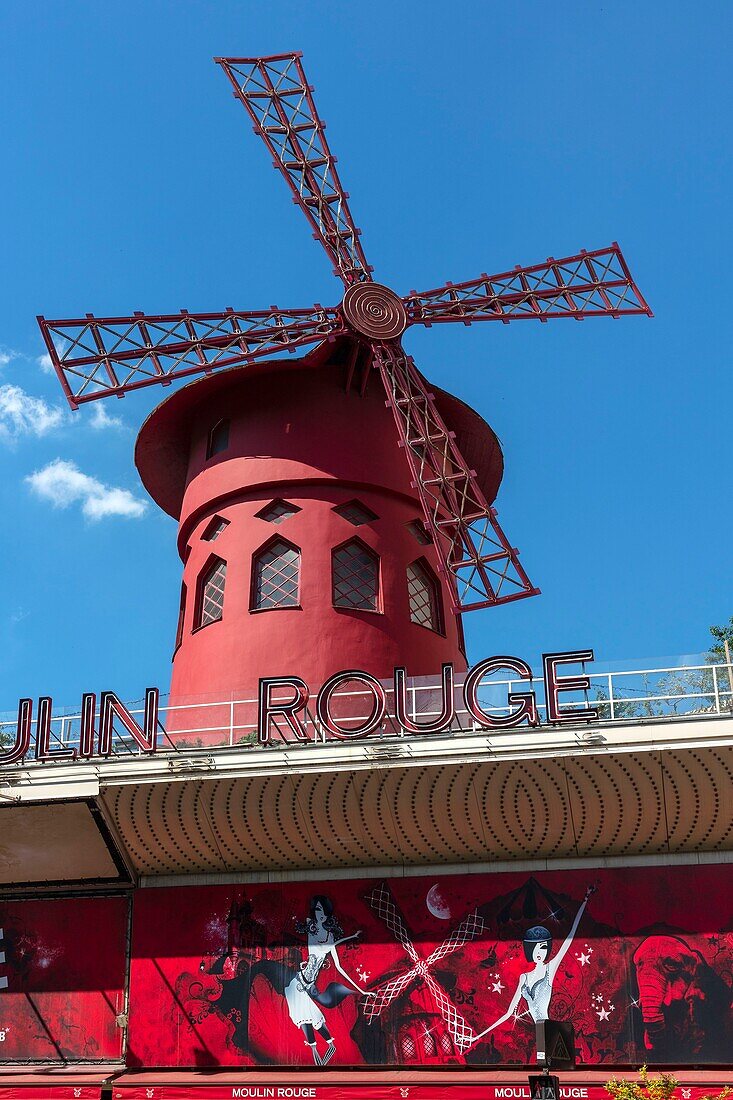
298	987
535	986
643	969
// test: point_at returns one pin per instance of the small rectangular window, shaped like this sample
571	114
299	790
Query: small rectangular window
181	617
419	531
277	511
356	513
218	440
214	528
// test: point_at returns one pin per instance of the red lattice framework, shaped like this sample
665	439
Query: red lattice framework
95	357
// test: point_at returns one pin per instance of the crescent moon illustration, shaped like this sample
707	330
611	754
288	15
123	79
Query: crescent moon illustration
437	903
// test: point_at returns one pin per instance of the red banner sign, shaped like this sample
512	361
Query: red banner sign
350	1091
387	1091
51	1092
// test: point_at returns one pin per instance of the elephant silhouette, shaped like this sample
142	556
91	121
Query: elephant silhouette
685	1006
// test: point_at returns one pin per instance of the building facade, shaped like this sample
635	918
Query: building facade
346	860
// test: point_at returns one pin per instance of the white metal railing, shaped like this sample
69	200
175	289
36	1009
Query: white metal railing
638	695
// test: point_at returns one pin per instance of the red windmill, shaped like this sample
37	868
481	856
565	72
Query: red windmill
96	357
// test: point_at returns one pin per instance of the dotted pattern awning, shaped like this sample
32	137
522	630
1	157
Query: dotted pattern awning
639	803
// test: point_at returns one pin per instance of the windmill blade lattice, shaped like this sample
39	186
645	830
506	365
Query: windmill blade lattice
98	356
590	284
479	561
279	100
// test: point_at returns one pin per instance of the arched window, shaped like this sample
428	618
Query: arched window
424	596
355	576
276	576
428	1042
210	595
407	1043
446	1044
218	440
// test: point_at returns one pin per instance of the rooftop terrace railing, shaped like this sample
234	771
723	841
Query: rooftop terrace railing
702	690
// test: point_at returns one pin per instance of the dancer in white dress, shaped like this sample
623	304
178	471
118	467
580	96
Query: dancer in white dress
303	999
535	986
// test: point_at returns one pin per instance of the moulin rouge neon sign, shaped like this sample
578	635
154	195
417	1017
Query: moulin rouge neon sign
283	702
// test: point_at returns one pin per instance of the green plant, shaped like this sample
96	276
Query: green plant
661	1086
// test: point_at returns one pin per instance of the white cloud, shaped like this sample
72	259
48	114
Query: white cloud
7	355
44	362
101	419
62	483
21	414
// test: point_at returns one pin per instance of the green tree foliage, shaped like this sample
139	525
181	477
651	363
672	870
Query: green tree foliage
661	1086
722	634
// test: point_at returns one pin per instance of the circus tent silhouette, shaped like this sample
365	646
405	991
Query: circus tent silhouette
530	902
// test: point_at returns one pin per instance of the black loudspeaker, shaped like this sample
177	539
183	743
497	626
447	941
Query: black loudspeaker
555	1044
544	1087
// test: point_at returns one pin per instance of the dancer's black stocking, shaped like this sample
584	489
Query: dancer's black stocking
310	1039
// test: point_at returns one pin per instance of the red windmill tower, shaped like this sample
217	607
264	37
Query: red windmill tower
356	507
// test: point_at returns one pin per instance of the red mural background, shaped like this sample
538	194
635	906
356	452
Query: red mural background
65	967
415	971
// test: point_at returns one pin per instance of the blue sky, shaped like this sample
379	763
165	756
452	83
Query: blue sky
471	138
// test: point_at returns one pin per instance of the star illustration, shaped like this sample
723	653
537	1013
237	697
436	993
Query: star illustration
497	987
583	958
602	1014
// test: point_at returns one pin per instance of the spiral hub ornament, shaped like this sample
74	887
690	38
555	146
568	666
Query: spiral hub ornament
374	311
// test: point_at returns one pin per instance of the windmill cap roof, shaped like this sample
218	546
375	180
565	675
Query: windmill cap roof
163	443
